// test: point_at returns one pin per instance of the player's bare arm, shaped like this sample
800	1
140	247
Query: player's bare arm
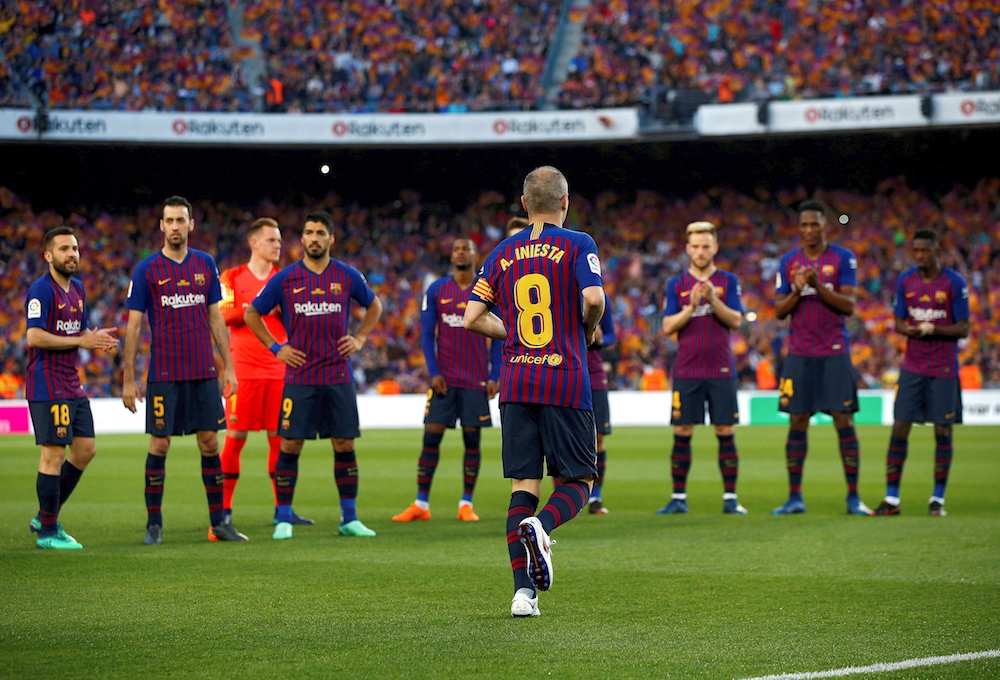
349	344
130	387
101	338
479	319
221	336
287	354
439	384
593	310
726	314
841	301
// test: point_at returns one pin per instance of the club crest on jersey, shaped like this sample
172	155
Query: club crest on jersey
199	279
160	423
940	296
34	308
60	432
336	288
828	270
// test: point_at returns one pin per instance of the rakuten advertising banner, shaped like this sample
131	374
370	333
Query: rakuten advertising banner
323	129
855	113
967	109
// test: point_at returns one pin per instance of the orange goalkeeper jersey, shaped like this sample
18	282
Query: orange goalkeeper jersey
251	359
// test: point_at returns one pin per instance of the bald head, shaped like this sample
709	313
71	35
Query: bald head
544	189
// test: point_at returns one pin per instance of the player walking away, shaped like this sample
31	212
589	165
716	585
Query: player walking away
544	285
464	372
60	411
320	398
604	337
932	311
703	306
261	376
816	288
179	288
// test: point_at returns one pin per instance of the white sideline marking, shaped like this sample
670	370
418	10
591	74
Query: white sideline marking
883	667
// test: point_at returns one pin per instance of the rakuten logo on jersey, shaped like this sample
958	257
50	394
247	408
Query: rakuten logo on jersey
68	327
181	301
453	320
314	309
217	128
924	314
981	107
376	129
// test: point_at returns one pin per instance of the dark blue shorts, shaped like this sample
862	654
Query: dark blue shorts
921	399
58	421
184	407
564	438
602	411
691	395
469	406
818	384
319	411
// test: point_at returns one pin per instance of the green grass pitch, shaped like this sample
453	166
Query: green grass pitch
635	595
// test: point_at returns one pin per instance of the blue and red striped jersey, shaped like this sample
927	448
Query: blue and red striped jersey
53	374
817	330
316	309
176	296
942	301
534	287
703	347
465	359
595	361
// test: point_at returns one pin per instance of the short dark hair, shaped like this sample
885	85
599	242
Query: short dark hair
259	224
813	204
322	217
927	234
180	201
516	223
51	234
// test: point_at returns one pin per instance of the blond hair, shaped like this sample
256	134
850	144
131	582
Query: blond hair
702	227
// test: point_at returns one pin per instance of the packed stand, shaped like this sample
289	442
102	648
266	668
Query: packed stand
122	55
751	50
417	56
403	246
473	55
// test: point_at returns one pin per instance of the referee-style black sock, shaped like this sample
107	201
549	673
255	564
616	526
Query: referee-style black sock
47	487
69	477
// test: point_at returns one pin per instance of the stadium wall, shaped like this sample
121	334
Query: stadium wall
628	408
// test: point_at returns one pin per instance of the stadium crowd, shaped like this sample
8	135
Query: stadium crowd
404	245
469	55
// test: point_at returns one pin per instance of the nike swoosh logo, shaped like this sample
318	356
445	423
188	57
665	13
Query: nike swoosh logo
444	302
910	294
61	306
848	402
160	283
222	421
484	417
298	290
